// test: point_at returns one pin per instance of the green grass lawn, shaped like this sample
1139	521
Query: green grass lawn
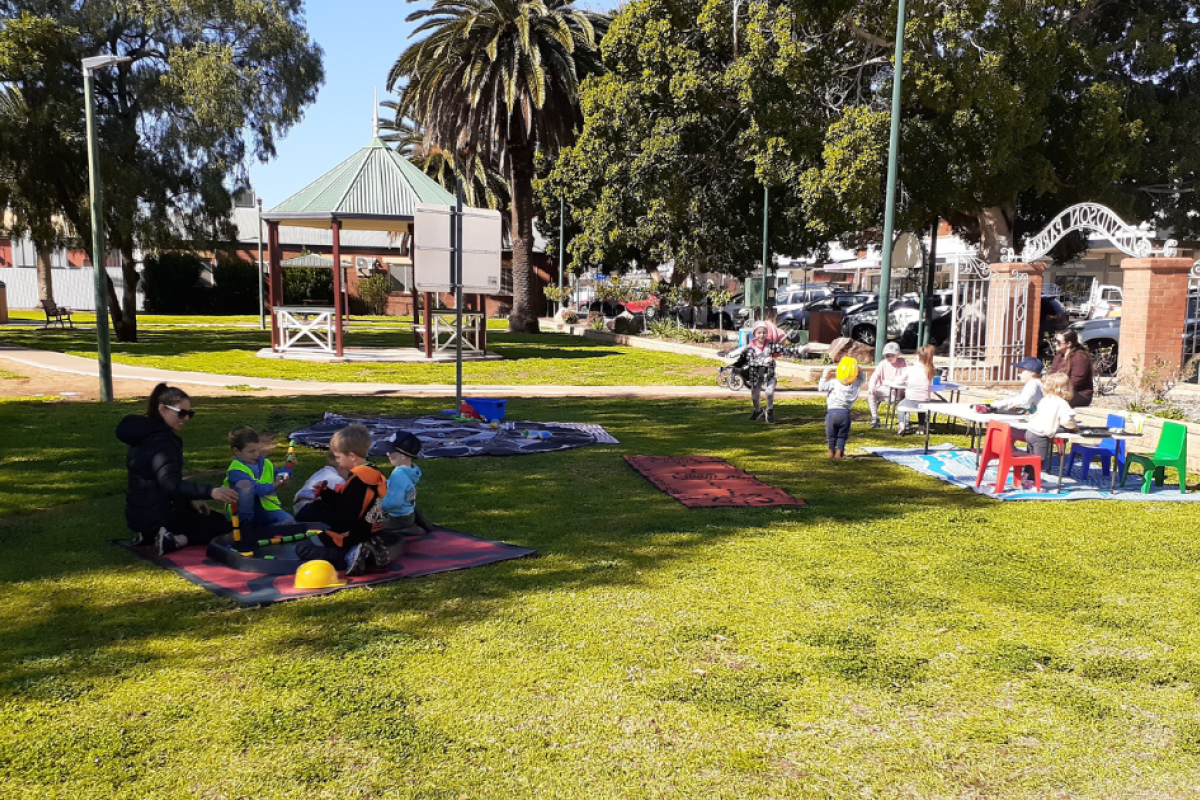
895	638
544	359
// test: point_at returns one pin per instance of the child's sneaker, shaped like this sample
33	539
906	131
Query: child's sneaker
875	423
380	556
770	416
357	558
164	542
1027	484
756	415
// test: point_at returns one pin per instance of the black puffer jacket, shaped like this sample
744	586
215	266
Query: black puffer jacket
156	486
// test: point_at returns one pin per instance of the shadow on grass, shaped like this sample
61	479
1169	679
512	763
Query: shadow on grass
595	521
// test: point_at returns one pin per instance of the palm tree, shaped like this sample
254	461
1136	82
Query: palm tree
495	80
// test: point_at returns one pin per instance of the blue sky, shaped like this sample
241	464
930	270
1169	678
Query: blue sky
361	40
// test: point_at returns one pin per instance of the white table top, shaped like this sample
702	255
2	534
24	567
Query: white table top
1019	421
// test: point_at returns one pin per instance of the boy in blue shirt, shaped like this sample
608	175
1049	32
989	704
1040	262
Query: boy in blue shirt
254	478
400	502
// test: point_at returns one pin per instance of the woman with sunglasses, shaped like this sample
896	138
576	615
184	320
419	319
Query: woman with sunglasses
161	508
1076	362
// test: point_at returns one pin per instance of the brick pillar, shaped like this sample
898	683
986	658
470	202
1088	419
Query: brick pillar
1002	310
1153	310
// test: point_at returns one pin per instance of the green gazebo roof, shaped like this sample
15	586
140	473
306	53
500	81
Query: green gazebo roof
376	189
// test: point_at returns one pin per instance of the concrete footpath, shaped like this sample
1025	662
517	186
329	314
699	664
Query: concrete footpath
89	368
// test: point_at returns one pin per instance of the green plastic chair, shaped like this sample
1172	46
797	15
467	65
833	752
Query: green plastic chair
1171	452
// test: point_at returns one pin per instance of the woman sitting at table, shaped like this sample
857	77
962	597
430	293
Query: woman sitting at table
885	374
918	381
1053	413
1075	362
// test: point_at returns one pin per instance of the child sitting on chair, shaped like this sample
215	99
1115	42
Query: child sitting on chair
252	476
351	543
841	392
1029	370
400	505
331	476
1053	412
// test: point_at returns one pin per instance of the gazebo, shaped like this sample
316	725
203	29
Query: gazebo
376	189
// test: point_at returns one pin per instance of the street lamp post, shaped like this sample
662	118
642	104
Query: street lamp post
90	65
889	214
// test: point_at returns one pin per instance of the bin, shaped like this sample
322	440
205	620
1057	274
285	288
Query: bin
824	326
488	407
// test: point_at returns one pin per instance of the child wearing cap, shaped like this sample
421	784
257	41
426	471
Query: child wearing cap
891	371
841	392
1029	370
400	504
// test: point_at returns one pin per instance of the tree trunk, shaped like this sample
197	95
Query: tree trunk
45	277
522	319
126	329
995	231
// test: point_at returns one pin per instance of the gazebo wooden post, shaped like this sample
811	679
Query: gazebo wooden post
428	325
337	284
481	302
274	281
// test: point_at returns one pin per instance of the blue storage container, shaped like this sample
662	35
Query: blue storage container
489	407
744	336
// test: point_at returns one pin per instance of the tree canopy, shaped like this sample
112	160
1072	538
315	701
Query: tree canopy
211	85
1012	110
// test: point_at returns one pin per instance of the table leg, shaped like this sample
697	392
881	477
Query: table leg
928	425
1112	483
1062	459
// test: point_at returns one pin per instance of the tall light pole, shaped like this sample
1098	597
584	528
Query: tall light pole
90	65
766	252
262	314
889	213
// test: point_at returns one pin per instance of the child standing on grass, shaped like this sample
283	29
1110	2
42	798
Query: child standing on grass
400	504
841	392
351	543
759	354
252	476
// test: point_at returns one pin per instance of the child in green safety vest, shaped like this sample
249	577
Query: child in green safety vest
254	478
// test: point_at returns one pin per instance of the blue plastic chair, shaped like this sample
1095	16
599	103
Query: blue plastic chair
1105	450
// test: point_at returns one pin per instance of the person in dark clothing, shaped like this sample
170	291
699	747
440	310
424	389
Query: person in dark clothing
161	508
1076	362
352	511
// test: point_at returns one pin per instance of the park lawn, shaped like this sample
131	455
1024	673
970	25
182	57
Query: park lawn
896	637
542	359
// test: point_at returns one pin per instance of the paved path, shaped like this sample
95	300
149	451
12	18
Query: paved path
76	365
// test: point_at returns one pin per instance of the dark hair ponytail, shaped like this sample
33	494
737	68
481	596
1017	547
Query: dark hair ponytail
163	395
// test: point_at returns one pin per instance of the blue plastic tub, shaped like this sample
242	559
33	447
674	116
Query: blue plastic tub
489	407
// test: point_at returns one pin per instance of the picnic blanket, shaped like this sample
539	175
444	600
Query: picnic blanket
958	467
443	550
708	482
447	438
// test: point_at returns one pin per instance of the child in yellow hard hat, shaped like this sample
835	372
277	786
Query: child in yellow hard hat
840	393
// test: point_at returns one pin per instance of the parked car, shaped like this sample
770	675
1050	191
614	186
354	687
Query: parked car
839	301
859	322
797	296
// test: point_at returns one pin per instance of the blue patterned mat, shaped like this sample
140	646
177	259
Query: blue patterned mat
958	467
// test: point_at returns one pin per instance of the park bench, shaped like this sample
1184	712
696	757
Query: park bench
56	315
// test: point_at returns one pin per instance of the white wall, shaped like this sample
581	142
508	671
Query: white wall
74	287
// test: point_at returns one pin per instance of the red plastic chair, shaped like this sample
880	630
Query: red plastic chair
998	446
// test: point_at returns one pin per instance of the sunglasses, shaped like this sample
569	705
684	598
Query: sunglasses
184	413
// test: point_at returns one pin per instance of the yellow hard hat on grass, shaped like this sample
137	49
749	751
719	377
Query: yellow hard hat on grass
847	370
317	575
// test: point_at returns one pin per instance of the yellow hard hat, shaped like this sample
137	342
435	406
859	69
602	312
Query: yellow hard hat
317	575
847	370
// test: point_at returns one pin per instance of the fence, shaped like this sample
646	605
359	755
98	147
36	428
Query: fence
74	287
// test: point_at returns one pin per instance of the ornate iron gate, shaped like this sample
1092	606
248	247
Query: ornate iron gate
988	323
1191	326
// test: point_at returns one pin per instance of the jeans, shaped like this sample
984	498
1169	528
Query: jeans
251	513
837	428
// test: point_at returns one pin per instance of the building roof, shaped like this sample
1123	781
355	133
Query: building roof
374	189
309	260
